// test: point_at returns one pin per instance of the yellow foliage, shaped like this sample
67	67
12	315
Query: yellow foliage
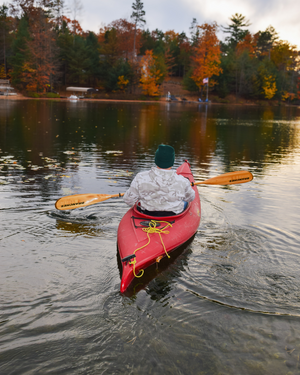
122	83
2	72
150	75
269	87
284	55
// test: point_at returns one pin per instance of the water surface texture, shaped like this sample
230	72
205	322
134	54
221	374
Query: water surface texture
228	303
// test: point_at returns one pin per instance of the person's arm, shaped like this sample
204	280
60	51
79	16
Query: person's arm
189	192
132	194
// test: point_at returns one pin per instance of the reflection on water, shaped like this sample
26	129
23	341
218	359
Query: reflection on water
228	302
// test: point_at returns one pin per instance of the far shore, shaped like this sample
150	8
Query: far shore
163	100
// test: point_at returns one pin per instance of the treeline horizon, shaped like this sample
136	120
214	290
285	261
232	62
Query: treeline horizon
42	51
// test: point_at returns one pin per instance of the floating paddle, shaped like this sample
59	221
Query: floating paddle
82	200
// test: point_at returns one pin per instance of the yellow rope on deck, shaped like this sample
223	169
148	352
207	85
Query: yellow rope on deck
152	229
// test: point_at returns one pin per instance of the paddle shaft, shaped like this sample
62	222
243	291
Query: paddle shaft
82	200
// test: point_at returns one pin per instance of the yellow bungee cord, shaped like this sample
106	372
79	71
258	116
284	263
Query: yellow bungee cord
149	230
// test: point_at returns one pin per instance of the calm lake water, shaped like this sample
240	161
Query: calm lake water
229	303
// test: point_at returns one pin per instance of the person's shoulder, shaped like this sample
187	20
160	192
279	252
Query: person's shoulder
182	178
142	175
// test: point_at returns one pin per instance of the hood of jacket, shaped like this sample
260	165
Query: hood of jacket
163	177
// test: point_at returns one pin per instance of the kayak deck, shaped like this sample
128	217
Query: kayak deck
144	240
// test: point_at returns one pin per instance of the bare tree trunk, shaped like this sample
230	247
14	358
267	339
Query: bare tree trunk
4	53
134	38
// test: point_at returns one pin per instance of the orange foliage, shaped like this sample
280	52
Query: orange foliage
38	69
73	26
150	75
171	36
249	44
36	79
288	95
207	57
122	43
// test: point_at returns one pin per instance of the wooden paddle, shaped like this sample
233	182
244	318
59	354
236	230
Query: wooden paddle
82	200
231	178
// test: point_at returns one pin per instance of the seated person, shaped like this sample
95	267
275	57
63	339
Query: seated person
160	191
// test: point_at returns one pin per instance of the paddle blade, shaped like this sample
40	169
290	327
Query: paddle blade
81	200
230	178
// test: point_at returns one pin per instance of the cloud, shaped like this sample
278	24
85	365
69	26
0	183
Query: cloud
98	13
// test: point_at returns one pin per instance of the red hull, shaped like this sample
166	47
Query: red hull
132	237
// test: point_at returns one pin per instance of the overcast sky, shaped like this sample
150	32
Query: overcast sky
177	15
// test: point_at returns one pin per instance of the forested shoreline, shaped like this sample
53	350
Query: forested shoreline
43	50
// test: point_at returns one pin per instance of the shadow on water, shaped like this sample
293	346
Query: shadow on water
158	278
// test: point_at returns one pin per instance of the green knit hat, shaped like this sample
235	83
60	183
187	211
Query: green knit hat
164	156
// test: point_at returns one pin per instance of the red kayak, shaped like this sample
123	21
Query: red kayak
144	240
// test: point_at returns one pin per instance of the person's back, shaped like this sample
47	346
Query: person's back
160	190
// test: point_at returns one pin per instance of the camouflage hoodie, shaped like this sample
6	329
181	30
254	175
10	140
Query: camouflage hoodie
160	190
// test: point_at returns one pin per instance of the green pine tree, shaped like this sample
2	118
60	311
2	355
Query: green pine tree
20	52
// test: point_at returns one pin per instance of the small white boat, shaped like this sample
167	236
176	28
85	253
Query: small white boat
73	97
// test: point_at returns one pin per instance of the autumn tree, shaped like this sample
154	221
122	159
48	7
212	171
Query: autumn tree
150	75
122	83
116	40
37	56
72	25
41	65
286	59
125	37
269	87
248	44
264	79
207	53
